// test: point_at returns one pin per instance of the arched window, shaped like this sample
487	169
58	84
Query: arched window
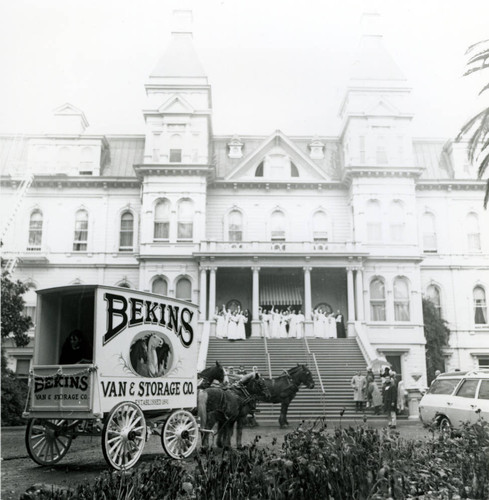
374	221
81	231
185	219
377	300
127	232
184	289
35	231
401	300
429	232
473	232
480	306
277	226
433	294
162	220
259	170
160	286
397	222
235	225
176	148
294	172
320	226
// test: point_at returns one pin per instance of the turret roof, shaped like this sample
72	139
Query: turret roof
180	59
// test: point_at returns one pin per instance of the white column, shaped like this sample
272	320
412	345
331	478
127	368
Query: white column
351	294
212	292
307	293
256	292
255	322
359	295
203	293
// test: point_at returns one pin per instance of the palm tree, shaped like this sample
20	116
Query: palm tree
478	126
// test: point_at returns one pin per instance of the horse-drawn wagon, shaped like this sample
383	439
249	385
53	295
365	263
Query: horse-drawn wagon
112	362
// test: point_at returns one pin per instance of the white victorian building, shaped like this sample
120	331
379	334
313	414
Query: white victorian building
367	222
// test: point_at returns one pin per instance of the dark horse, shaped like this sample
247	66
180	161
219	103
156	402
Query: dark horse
284	388
228	406
208	375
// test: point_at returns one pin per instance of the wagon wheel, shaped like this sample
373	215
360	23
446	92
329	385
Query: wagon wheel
124	435
180	434
47	441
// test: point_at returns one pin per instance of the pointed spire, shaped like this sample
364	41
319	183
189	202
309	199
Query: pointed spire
180	59
374	61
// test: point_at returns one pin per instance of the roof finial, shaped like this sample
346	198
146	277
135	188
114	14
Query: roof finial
182	22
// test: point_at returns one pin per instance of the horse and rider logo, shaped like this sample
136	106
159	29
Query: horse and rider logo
151	354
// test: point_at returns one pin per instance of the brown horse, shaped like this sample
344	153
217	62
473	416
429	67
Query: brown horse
284	388
228	406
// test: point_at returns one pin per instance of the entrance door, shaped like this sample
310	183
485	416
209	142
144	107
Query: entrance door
395	361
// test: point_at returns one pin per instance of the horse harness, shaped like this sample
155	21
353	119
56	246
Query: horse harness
238	389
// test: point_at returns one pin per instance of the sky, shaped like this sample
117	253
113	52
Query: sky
272	64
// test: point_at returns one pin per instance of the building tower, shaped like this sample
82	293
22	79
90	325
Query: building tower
175	167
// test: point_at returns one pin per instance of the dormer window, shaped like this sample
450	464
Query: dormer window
235	148
277	166
176	148
175	156
86	161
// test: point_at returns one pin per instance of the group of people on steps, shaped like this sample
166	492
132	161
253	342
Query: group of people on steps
391	396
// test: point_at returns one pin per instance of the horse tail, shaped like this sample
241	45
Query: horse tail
202	407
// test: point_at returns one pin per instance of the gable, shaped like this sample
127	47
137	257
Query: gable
176	105
383	108
277	159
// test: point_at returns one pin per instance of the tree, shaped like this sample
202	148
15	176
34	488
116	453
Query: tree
478	126
436	333
14	323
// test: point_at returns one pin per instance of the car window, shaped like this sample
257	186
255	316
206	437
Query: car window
443	386
467	389
484	390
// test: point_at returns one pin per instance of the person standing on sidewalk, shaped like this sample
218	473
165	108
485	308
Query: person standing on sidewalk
390	402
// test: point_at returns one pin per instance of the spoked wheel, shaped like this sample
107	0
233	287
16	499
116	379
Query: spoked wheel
124	436
180	434
48	440
445	427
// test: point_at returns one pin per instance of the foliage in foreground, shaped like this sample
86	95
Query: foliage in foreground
351	463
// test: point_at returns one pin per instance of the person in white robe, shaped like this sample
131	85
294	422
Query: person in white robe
330	326
232	326
276	320
220	319
240	330
266	318
317	319
283	324
300	324
293	325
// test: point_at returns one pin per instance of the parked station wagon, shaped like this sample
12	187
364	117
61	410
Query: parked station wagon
455	398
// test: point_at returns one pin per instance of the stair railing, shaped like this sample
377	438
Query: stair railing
204	346
267	354
309	353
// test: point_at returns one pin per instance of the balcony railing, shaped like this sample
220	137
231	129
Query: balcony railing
257	247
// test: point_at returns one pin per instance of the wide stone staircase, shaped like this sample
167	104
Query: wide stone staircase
336	360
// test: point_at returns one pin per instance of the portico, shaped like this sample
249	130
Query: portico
264	284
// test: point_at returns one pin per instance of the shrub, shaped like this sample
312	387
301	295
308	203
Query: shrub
14	394
314	463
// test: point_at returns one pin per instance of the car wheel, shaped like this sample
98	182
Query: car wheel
445	427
